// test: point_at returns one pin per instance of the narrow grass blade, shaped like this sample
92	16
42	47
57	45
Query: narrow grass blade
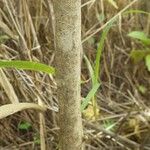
9	109
27	65
89	96
136	11
99	53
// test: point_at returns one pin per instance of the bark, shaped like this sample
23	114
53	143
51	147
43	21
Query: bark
68	68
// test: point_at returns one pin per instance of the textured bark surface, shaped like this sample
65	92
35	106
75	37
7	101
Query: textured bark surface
68	68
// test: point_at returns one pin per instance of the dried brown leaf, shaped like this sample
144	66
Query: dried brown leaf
9	109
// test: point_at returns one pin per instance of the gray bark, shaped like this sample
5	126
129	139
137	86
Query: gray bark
68	68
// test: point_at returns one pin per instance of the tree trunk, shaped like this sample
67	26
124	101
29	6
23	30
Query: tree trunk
68	68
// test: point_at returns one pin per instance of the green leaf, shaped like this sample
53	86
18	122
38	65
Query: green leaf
89	96
140	36
139	55
147	62
24	125
27	65
109	125
37	139
142	89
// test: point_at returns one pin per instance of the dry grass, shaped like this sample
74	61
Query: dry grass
30	30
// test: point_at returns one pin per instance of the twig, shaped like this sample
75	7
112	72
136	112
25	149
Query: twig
121	139
113	18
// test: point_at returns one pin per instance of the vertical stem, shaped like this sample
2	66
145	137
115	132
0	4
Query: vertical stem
68	68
